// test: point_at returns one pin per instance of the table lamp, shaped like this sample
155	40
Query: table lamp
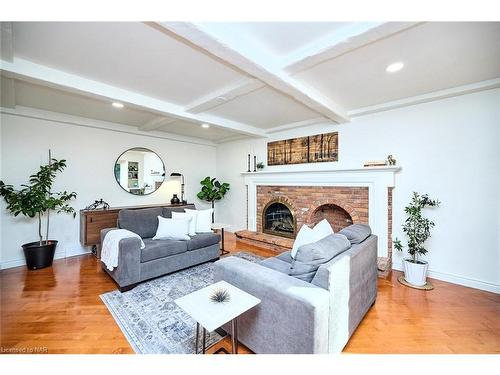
176	174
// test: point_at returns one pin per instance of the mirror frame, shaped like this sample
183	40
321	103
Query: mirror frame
132	149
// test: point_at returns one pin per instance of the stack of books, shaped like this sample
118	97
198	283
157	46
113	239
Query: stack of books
375	163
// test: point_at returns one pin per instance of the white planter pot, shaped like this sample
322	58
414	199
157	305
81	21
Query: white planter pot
415	273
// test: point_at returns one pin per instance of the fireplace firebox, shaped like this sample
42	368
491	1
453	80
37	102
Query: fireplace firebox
278	219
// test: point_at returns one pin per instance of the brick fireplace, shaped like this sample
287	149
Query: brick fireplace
341	206
343	197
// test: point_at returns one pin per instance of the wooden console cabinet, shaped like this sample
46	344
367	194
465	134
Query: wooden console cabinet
92	221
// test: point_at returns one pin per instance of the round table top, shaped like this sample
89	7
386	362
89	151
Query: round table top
220	225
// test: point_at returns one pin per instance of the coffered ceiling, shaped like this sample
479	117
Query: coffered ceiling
242	79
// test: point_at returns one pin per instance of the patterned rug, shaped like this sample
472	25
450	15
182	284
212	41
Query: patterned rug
149	318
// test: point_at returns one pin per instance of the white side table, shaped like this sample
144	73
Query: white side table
212	315
221	226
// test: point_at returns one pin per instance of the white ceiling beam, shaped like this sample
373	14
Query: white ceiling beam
341	42
298	124
155	123
7	44
429	97
224	95
8	93
232	53
36	73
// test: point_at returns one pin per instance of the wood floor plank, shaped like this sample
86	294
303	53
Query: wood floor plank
59	308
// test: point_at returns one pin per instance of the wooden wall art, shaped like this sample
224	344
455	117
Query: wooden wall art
312	149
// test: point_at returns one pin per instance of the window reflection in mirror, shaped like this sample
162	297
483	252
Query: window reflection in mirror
139	171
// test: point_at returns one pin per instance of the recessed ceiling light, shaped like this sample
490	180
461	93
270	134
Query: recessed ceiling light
117	105
394	67
205	126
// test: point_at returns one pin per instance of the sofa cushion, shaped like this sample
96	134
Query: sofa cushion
172	229
307	235
276	264
167	211
356	233
142	221
202	240
311	256
285	257
156	249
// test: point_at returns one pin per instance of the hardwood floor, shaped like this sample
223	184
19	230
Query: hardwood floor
58	310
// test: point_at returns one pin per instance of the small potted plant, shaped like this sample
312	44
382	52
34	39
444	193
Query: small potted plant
260	166
36	200
212	190
418	229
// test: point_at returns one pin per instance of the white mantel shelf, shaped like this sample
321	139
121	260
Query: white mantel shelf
363	169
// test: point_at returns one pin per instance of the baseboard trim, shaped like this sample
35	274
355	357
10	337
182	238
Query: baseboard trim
455	279
58	255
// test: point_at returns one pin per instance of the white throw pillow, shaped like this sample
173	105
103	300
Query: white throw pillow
172	229
307	235
203	220
323	229
192	222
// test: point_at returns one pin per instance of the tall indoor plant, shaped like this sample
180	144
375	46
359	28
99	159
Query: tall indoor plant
35	199
212	190
418	229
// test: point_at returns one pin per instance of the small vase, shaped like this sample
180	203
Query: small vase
175	200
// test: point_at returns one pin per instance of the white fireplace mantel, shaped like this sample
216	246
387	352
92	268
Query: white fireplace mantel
377	179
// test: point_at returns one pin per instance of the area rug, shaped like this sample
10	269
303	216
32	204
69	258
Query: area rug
149	318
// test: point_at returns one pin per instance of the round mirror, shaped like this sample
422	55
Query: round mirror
139	171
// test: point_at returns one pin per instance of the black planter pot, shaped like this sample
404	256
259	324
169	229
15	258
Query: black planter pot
39	256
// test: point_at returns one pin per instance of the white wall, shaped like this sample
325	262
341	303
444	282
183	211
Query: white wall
449	149
90	153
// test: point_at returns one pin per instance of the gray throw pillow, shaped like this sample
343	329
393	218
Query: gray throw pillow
356	233
311	256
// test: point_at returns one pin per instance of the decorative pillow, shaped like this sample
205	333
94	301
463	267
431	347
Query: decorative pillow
357	233
203	220
172	229
190	215
307	235
311	256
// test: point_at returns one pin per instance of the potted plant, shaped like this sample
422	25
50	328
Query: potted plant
418	229
260	166
212	190
35	199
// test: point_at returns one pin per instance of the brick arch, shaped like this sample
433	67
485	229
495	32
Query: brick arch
282	199
334	202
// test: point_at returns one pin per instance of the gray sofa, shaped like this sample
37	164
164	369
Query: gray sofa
296	316
159	257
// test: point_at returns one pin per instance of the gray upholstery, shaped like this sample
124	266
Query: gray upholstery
311	256
158	257
167	211
276	264
285	256
356	233
202	240
162	266
322	276
292	316
155	249
300	317
142	221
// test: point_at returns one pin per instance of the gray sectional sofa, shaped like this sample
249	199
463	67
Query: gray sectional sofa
159	257
296	316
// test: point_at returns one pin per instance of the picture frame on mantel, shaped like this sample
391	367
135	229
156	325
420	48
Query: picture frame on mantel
311	149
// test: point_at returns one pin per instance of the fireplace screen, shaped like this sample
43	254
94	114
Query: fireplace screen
279	220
